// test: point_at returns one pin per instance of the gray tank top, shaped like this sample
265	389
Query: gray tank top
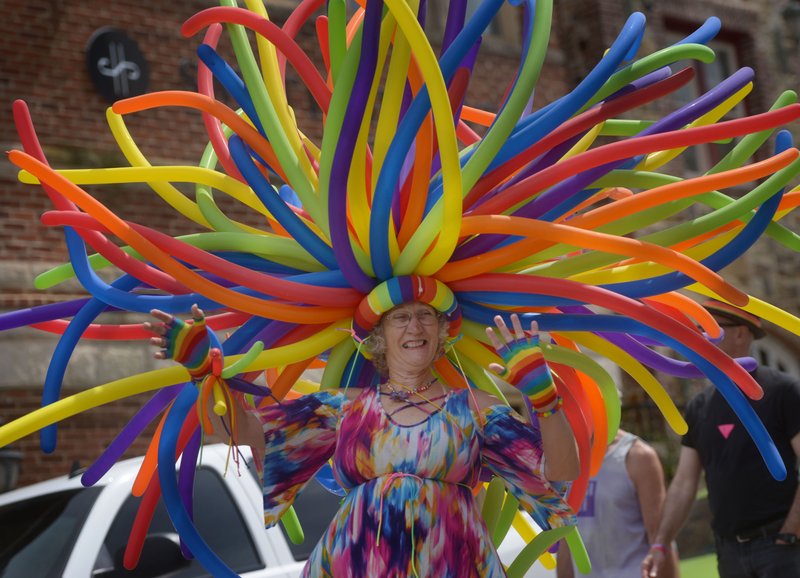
610	520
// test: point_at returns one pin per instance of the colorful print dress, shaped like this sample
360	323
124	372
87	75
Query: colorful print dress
409	509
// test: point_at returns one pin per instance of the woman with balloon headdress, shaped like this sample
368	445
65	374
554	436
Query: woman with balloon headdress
533	218
410	450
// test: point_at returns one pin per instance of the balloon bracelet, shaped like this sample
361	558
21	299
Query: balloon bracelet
527	370
190	345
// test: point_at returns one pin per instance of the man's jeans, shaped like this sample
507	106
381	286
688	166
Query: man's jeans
757	558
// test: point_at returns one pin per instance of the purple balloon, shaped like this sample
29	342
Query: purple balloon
186	475
651	358
40	313
553	197
154	406
343	156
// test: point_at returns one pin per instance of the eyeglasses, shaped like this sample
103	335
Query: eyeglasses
403	318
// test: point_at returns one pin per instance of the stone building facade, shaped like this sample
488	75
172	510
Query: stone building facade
43	61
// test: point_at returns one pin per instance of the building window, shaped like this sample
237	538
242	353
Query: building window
772	353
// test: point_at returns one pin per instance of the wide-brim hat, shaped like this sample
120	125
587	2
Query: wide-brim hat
738	316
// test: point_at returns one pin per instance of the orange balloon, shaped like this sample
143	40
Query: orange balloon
535	230
205	104
184	275
529	187
577	491
690	307
683	189
596	413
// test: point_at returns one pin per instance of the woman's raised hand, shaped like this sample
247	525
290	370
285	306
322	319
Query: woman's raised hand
504	341
525	366
186	343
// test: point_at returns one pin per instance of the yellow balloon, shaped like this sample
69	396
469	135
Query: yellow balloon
638	372
152	380
443	234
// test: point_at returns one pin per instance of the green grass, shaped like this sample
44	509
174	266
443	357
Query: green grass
700	567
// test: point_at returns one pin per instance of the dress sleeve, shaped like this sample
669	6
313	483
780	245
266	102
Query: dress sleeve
299	437
512	449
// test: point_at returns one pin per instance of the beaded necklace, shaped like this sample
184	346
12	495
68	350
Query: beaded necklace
402	395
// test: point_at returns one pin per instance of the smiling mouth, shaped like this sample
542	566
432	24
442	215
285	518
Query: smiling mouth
415	344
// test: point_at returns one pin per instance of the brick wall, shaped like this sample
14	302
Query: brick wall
80	439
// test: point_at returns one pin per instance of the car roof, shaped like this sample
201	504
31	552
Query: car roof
122	471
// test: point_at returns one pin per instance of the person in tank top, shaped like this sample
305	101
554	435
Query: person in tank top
620	513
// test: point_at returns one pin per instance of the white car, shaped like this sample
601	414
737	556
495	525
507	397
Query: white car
58	528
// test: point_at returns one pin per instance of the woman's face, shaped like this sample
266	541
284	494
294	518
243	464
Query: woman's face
411	332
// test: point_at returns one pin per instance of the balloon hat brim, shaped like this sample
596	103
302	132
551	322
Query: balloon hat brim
398	290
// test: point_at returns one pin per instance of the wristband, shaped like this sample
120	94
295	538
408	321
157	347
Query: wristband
550	412
527	370
660	547
787	537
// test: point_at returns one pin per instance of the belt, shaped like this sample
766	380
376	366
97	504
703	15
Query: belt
768	530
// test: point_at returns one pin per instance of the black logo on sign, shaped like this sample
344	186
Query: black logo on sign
117	67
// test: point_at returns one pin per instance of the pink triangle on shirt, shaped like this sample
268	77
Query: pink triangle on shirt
725	429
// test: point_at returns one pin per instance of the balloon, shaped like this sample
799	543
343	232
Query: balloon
129	433
169	486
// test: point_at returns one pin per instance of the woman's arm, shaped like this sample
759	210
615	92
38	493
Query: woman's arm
527	370
564	567
644	469
559	448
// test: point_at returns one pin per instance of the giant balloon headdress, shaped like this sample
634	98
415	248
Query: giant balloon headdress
403	199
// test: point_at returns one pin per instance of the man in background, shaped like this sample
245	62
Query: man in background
755	518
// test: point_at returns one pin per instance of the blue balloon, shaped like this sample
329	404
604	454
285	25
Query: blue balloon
257	263
181	519
123	299
51	391
273	202
325	477
289	196
720	259
559	199
235	86
705	34
723	383
406	133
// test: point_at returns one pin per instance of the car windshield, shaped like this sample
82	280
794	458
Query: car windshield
37	534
